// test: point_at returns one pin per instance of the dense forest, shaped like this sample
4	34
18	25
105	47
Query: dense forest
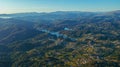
60	39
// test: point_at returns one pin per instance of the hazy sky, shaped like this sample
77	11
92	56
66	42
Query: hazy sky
15	6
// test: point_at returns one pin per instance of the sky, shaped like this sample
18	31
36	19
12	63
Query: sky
17	6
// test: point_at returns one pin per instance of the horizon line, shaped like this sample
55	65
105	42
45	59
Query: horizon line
58	11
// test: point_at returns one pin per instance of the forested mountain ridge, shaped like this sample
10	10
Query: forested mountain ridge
60	39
